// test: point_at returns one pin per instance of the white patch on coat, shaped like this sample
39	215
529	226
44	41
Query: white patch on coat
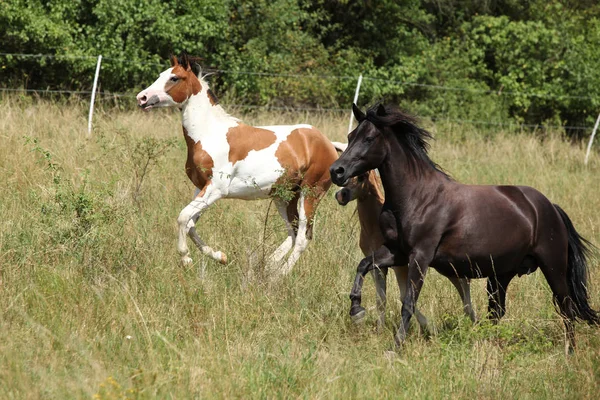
248	179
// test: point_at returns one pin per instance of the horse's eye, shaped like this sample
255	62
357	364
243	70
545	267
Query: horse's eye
369	139
174	79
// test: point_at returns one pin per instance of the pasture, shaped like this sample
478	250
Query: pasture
94	303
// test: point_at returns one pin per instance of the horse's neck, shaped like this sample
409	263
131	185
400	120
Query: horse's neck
201	119
369	209
405	185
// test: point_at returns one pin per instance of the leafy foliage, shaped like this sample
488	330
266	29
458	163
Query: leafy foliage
533	61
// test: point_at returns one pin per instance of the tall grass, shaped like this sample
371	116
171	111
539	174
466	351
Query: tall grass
93	302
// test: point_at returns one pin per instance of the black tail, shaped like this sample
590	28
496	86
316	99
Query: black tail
577	271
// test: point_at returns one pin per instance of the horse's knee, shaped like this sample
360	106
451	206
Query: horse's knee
363	266
185	220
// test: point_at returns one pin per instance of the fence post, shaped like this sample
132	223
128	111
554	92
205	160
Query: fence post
94	95
354	102
587	153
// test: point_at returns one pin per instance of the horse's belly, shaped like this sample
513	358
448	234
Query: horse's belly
250	178
476	265
249	187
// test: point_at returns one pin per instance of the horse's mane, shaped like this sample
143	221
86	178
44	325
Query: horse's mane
411	137
185	60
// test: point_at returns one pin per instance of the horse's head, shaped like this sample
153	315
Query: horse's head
356	188
366	150
174	86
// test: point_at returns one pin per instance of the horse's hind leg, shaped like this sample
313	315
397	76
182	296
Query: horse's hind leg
289	214
304	232
463	286
496	288
558	285
187	226
402	279
555	272
310	196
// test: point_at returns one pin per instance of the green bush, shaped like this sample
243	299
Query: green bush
530	62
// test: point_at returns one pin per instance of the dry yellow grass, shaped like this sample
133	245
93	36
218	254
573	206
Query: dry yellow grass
93	302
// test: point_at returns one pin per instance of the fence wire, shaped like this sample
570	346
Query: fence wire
505	123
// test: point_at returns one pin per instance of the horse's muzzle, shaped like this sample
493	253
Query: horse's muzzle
151	102
342	196
338	175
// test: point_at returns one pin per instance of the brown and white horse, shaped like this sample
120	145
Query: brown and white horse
366	190
229	159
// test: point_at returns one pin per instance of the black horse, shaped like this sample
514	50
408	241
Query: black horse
468	231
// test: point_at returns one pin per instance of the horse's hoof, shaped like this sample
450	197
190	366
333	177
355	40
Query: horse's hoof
186	261
223	259
398	341
357	313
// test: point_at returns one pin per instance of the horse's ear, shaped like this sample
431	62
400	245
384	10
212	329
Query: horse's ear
196	68
359	115
184	60
174	61
380	110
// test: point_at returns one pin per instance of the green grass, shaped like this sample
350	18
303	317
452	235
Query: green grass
93	302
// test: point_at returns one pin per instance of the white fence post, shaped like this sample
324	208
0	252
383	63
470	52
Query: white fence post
587	153
354	102
94	95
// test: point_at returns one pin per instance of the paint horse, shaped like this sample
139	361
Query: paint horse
229	159
365	189
467	231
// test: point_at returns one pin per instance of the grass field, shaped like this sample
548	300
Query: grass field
93	302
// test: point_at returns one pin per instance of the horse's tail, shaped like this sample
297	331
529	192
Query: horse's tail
577	271
339	146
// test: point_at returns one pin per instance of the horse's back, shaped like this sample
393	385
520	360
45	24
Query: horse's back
308	152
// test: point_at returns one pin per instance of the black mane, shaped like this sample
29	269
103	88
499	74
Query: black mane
404	126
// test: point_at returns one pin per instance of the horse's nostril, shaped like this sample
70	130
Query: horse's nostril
339	171
143	98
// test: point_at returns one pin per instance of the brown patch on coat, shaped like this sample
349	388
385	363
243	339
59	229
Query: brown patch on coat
212	98
243	139
307	151
199	164
369	185
187	85
369	204
306	156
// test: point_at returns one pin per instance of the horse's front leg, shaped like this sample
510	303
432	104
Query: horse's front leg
382	258
187	226
402	280
380	279
418	263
